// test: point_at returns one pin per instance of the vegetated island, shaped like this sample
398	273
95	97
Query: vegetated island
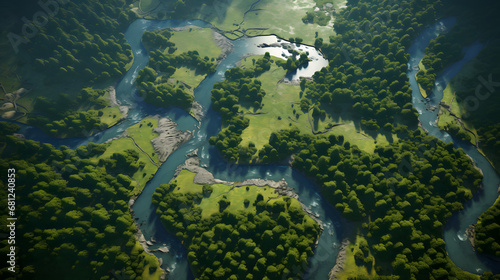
57	79
256	229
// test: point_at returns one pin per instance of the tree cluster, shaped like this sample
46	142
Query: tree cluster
292	63
66	116
487	237
238	90
82	43
152	81
368	61
274	241
408	190
73	215
317	17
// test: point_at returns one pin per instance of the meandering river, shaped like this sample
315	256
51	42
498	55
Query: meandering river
458	247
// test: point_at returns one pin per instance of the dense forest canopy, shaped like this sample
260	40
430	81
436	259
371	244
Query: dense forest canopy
72	210
73	204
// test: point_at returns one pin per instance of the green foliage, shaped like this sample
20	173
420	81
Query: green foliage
483	115
82	43
73	216
441	52
238	90
276	241
292	63
487	237
67	117
317	17
408	189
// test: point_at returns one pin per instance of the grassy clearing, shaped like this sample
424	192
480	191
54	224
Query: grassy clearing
187	76
141	176
226	15
111	115
143	136
283	18
281	110
351	269
143	133
236	195
196	38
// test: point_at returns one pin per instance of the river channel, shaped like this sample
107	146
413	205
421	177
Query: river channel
457	245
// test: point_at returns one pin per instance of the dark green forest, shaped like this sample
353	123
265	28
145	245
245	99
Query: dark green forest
275	241
83	44
74	219
72	209
476	91
71	115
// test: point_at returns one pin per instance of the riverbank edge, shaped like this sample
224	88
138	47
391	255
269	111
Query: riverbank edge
340	260
203	176
165	127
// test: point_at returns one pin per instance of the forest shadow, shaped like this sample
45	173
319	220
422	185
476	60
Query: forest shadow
208	10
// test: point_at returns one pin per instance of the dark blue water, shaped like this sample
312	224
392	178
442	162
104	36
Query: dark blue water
458	246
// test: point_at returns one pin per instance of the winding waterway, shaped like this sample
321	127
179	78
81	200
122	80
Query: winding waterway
457	246
175	260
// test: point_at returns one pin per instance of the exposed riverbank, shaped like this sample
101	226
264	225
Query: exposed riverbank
169	138
203	176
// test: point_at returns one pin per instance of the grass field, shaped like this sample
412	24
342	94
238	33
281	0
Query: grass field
236	195
456	108
282	18
147	5
280	110
143	133
422	90
143	136
187	76
351	269
196	38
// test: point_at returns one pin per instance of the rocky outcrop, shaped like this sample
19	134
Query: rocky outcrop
169	138
224	43
471	235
